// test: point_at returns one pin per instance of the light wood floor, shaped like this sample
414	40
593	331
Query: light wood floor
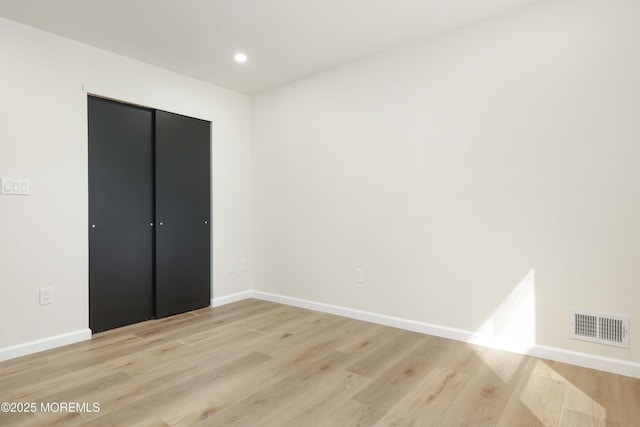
255	363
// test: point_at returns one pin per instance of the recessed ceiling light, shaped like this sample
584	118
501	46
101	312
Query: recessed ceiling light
240	57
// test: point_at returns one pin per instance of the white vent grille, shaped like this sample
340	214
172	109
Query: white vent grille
600	328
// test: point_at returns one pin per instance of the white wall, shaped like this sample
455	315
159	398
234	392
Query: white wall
485	179
43	137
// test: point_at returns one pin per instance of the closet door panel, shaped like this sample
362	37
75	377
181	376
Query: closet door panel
183	213
121	288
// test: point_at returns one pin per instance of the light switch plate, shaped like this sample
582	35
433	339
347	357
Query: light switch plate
15	186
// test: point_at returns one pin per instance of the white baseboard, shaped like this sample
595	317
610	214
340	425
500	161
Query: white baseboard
616	366
44	344
217	302
85	334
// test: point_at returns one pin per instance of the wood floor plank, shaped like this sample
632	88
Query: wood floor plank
629	398
351	414
380	357
257	363
314	410
315	328
536	401
484	396
369	339
254	407
336	385
278	320
433	395
571	418
597	394
392	385
164	393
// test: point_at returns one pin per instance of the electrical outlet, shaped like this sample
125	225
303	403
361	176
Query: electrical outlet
359	275
233	267
46	296
243	265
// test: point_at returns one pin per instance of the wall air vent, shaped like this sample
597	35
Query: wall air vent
599	328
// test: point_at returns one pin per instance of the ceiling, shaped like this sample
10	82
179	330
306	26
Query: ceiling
283	39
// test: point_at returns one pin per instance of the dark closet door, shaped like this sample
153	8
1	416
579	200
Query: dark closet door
183	214
121	182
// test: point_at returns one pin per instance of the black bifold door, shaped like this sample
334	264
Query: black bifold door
149	214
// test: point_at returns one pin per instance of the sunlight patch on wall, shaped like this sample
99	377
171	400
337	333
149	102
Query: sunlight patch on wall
511	326
514	320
